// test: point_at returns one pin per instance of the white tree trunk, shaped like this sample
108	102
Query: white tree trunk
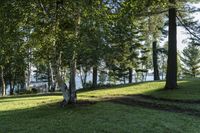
63	87
3	82
60	81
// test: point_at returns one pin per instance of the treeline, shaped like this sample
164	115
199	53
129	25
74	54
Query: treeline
61	38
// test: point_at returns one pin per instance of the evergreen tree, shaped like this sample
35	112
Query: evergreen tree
191	61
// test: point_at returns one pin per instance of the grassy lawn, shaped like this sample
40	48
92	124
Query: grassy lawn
188	90
41	113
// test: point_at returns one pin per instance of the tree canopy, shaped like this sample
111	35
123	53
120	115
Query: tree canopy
62	38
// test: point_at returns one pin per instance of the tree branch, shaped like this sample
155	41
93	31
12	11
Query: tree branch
187	28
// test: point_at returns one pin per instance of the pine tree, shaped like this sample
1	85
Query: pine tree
191	60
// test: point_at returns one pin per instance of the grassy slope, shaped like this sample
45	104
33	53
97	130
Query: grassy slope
188	90
42	114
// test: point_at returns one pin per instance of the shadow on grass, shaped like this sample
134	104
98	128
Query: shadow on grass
52	118
35	117
188	90
53	112
157	106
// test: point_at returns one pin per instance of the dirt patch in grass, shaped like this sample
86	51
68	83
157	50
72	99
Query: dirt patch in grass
79	103
85	102
146	101
138	100
170	100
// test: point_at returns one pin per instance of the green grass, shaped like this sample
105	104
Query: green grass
122	90
41	113
188	90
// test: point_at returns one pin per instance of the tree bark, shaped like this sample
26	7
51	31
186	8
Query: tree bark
62	85
94	77
83	76
49	77
171	78
28	76
3	82
11	87
130	75
155	62
72	88
124	79
52	82
136	77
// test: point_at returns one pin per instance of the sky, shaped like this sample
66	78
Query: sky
181	32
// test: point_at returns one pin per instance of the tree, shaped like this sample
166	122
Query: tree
60	37
90	52
12	53
190	59
62	48
155	61
162	60
171	78
3	86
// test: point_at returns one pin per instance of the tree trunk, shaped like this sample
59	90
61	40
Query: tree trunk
136	77
163	65
11	87
49	77
83	76
130	75
36	75
146	74
62	86
3	82
72	88
155	62
171	78
124	79
28	71
60	81
27	76
143	76
52	82
94	77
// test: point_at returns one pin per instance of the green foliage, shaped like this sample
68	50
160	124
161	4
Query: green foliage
13	47
51	35
190	59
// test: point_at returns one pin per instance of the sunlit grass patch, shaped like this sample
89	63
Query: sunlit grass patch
41	113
